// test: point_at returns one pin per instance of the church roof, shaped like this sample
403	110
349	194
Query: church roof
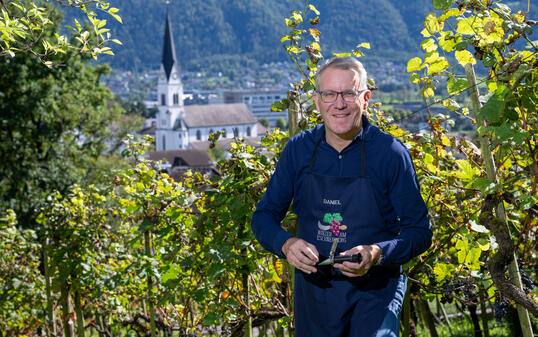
217	115
169	50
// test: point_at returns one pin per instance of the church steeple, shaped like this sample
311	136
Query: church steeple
169	50
169	135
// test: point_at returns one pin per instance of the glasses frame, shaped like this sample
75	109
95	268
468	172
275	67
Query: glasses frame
341	93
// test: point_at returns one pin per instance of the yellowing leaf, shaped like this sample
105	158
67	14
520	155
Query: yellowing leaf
445	141
432	24
414	64
432	57
428	45
447	41
465	28
483	244
425	33
314	32
438	66
450	13
464	57
468	172
492	30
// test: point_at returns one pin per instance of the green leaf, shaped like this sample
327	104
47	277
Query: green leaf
483	244
280	105
442	4
494	107
456	86
484	185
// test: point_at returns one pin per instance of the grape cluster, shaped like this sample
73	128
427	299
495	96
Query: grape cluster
528	283
500	306
458	288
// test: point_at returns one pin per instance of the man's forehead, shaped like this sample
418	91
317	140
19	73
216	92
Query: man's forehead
340	74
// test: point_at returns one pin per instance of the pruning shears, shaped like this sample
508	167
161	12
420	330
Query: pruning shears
340	258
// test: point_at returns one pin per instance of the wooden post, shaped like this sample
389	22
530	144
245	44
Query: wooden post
67	317
51	317
485	148
79	314
293	112
406	313
147	239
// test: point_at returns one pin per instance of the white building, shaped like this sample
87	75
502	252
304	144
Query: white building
178	126
259	102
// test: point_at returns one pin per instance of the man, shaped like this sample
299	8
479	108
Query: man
353	183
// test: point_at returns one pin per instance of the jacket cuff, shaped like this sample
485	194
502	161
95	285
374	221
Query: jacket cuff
278	242
386	248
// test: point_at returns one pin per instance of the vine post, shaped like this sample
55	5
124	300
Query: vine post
51	328
147	243
524	318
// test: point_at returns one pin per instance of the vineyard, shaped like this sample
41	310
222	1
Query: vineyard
142	254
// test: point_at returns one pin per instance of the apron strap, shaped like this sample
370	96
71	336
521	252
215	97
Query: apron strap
363	156
314	154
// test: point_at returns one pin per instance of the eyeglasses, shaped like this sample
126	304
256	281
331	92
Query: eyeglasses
349	96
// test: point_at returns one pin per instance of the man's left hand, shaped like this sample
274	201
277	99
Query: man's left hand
369	254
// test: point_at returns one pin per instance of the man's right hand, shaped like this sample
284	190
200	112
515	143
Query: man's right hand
301	254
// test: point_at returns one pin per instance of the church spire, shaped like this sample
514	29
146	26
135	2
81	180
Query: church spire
169	50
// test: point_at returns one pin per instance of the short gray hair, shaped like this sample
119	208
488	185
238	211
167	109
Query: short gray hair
345	63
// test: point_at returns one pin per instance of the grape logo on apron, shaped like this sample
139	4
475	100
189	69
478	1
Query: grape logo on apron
327	232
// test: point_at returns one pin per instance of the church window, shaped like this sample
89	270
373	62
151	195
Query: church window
236	132
163	122
164	142
198	135
176	99
225	133
248	131
163	99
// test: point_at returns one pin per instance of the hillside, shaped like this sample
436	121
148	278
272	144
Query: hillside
225	33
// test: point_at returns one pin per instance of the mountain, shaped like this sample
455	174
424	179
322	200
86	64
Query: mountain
219	34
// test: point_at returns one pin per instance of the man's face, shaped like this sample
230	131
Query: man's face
342	119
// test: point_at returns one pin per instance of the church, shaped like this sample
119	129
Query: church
180	127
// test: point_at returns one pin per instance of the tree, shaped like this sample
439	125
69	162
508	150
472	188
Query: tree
24	27
56	122
281	123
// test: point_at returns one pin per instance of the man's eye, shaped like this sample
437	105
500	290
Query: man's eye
349	94
330	94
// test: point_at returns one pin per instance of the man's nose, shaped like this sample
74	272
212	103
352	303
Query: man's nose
340	102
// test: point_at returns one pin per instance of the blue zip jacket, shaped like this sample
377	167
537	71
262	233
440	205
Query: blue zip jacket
390	169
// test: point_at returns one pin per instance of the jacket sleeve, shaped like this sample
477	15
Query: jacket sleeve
415	234
274	204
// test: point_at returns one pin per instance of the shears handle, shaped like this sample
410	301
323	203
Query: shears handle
351	258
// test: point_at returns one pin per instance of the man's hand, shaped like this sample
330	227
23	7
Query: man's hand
301	254
369	254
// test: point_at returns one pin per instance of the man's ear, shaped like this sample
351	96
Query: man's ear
315	97
366	98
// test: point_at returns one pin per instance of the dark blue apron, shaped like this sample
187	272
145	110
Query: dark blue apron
327	303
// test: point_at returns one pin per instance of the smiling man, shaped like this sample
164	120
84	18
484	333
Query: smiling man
355	192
